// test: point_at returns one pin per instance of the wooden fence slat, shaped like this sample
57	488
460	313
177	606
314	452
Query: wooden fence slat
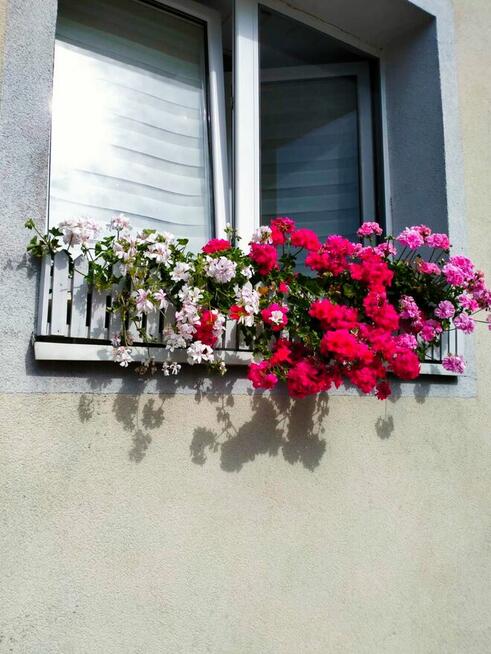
59	299
98	315
115	324
230	341
153	325
44	292
80	289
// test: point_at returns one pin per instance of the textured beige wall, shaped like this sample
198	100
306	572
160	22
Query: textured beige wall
233	525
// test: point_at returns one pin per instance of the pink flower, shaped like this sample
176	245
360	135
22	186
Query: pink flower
453	275
423	230
429	268
468	302
275	316
367	229
385	249
411	238
407	341
454	363
445	309
430	330
216	245
465	323
409	308
438	241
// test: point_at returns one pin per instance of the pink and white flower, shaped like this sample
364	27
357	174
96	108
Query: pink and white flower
143	302
445	309
221	269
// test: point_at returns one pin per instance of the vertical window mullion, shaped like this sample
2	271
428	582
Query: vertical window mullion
246	123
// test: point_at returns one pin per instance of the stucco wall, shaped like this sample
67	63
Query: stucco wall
191	523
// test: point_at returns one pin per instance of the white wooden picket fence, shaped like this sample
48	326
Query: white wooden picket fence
75	323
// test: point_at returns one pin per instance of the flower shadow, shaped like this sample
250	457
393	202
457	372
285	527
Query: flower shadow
278	425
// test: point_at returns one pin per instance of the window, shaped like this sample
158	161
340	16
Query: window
138	123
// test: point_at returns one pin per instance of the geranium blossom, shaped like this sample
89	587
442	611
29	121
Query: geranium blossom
411	238
216	245
143	302
275	316
222	270
454	363
120	222
369	228
199	352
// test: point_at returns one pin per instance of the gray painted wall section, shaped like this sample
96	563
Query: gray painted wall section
24	147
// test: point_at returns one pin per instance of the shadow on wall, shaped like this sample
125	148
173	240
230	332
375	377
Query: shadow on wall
277	425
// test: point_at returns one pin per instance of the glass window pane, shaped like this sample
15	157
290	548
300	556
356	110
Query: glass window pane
310	155
130	118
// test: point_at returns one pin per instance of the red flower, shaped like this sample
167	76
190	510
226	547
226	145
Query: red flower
264	256
260	376
307	377
205	327
381	311
305	238
281	353
275	316
236	312
383	390
343	345
333	316
279	228
405	364
333	255
283	287
216	245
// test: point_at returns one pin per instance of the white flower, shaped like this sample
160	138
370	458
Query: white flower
262	235
161	297
120	222
276	317
160	252
116	340
79	231
219	325
124	248
122	355
181	272
188	313
143	303
247	272
247	297
150	237
222	270
198	352
171	368
186	330
172	340
190	294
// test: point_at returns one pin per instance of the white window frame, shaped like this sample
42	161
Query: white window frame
216	99
248	77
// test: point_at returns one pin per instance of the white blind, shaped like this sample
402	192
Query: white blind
129	118
309	153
